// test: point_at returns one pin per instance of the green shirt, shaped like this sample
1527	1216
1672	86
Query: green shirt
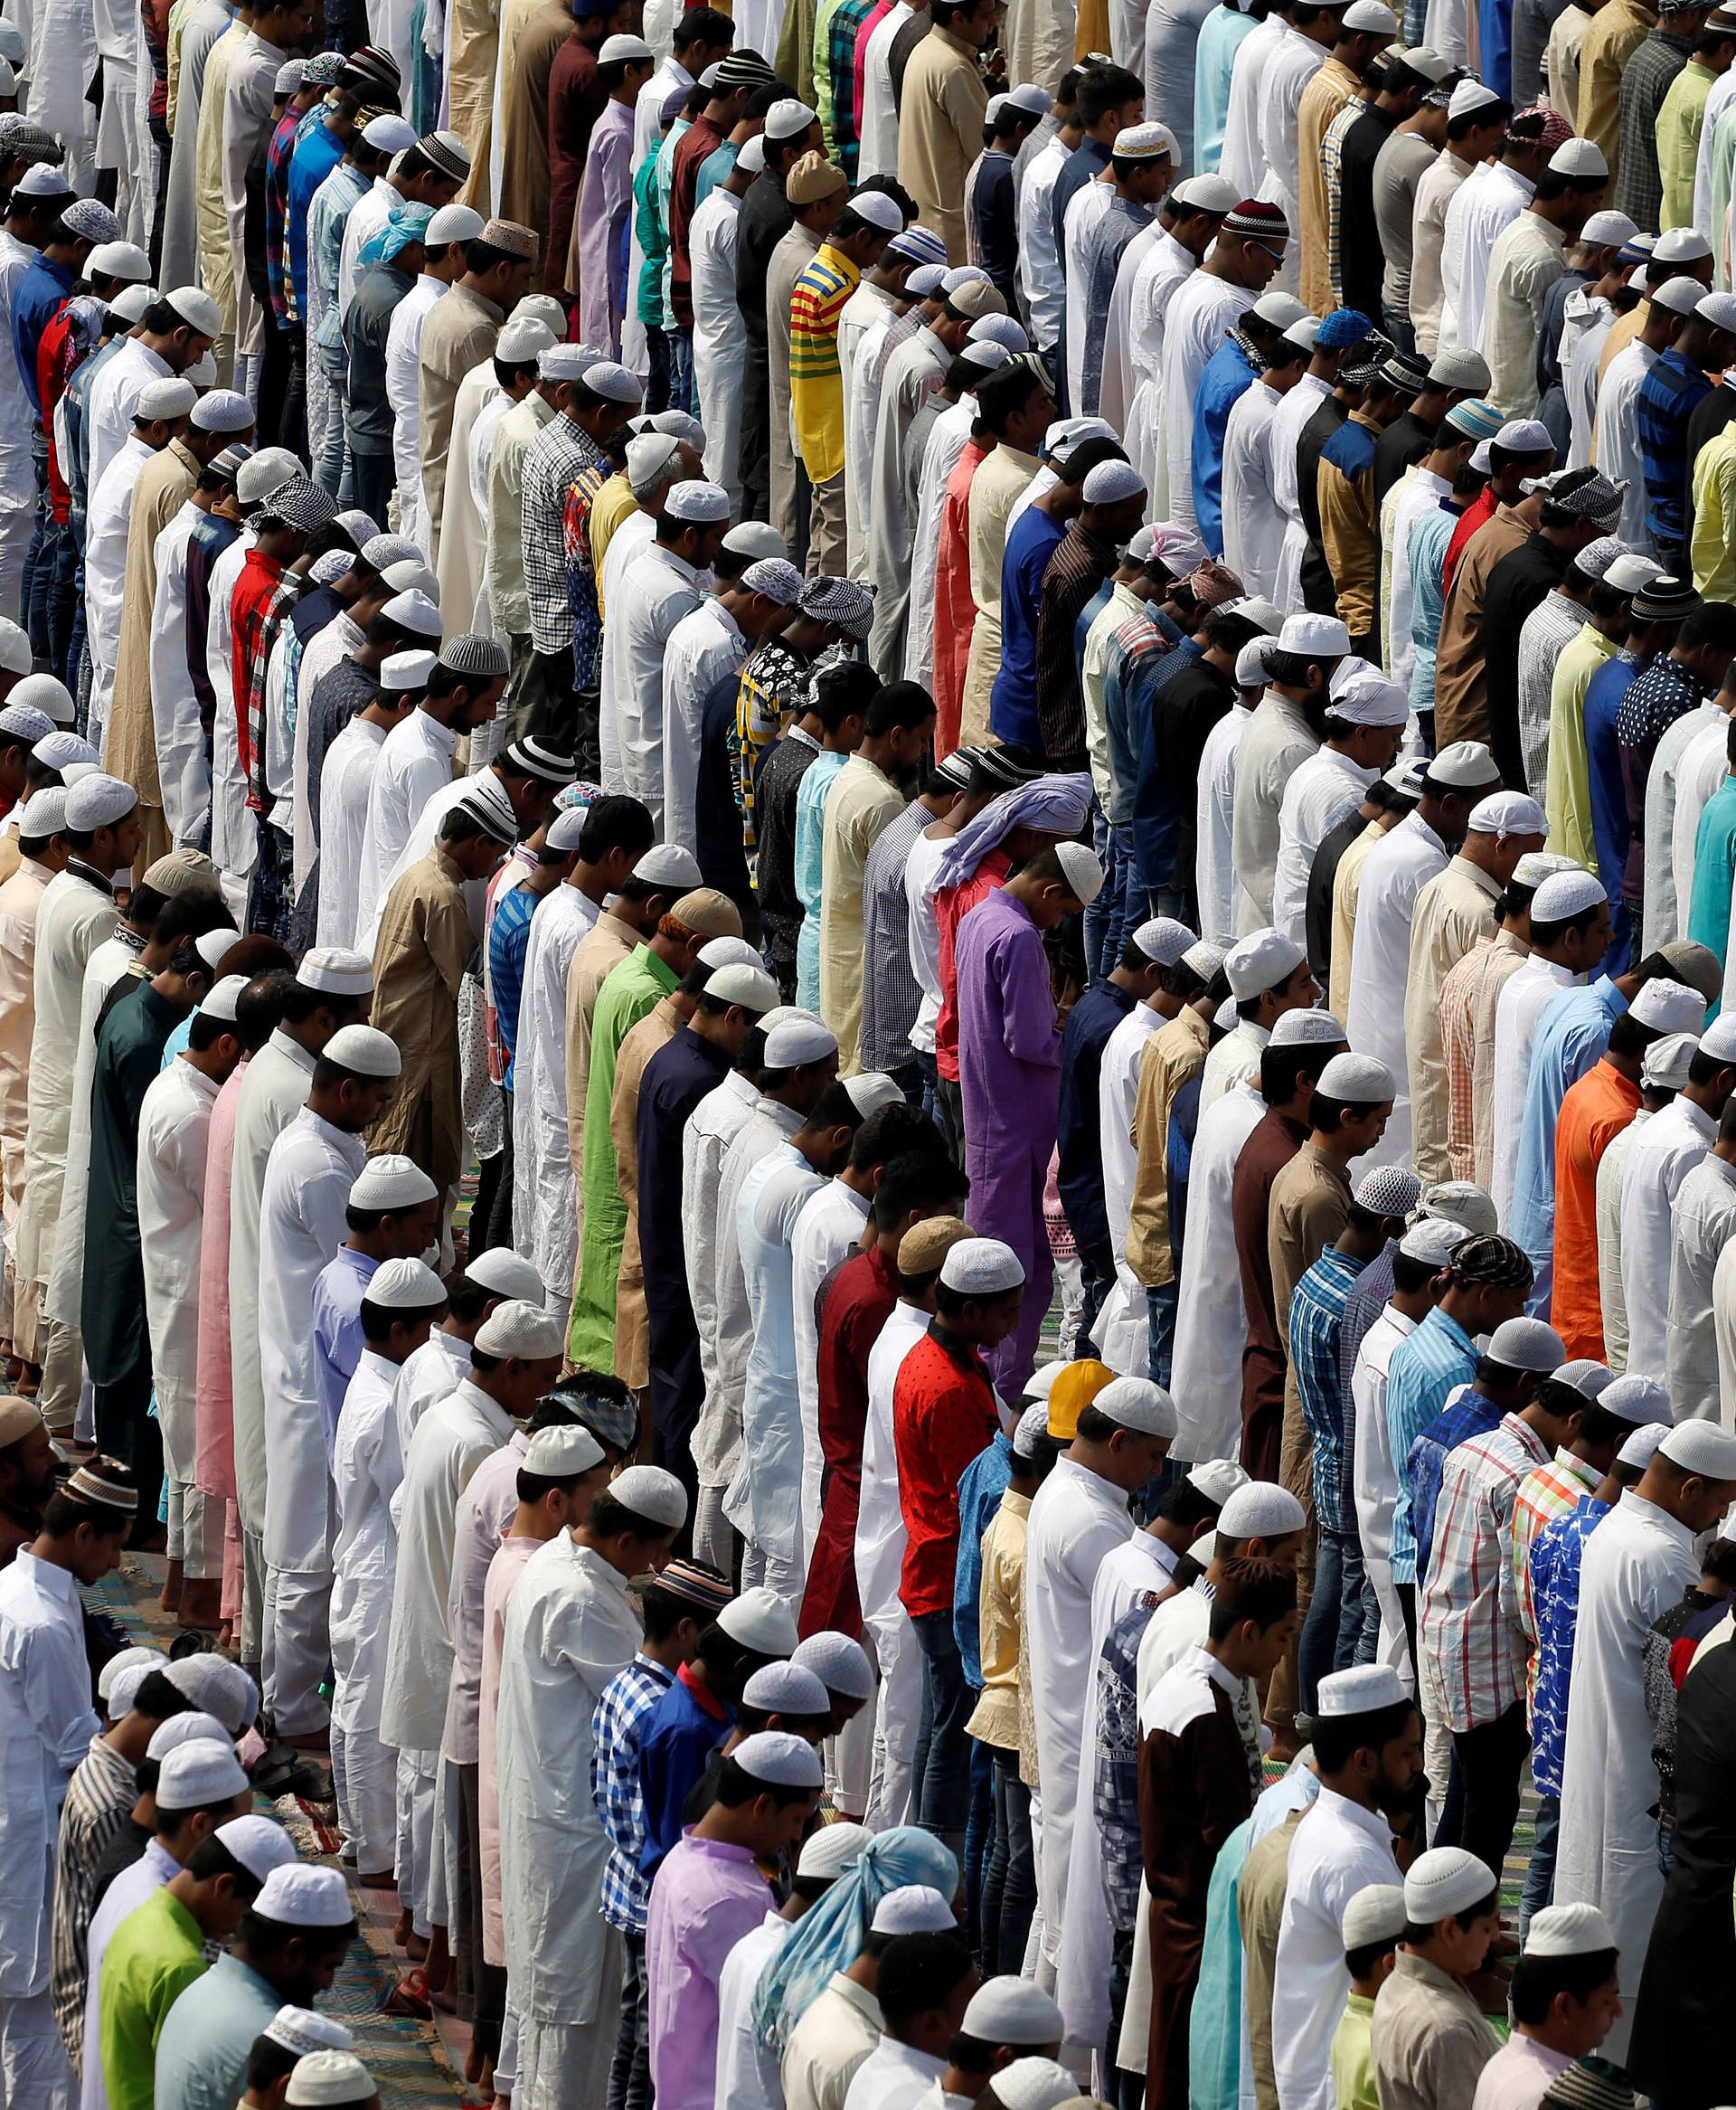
634	988
154	1955
1679	124
1352	2060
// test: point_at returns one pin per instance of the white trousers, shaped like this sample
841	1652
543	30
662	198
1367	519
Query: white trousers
297	1635
898	1715
416	1770
252	1598
195	1532
34	2072
760	1570
850	1763
713	1533
364	1774
565	2066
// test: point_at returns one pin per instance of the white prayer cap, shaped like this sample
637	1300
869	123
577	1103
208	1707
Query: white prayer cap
1163	940
221	1688
608	378
522	339
1580	159
297	1896
224	410
798	1041
1434	1240
1607	230
758	539
329	2077
1010	2010
1032	1424
401	671
195	1727
452	223
787	120
1504	813
1629	573
1217	1478
411	576
1137	1404
1313	637
760	1620
336	970
1536	866
219	1003
669	864
1527	1344
404	1285
563	1453
1569	1930
1205	958
750	987
98	802
752	160
364	1052
391	1181
1664	1065
1260	1509
1375	1915
779	1759
44	813
982	1267
1081	869
118	260
1681	295
1634	1399
204	1770
389	133
1465	764
870	1090
1406	775
840	1664
1719	1039
879	211
1147	142
1371	17
1366	1689
1369	698
16	658
1468	96
697	500
214	946
614	50
41	691
1668	1007
1041	1380
914	1909
1362	1080
1444	1882
1263	960
999	330
1525	436
1702	1447
1036	2084
1282	310
1460	367
1680	245
786	1687
124	1683
44	181
833	1851
1307	1029
23	724
1642	1446
1589	1378
1206	194
569	362
1250	662
519	1328
328	570
303	2029
198	310
650	1492
260	1844
414	610
504	1273
1564	894
1387	1190
1110	482
1304	334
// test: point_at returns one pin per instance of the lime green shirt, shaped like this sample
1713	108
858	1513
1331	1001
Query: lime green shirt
1679	126
1567	794
1352	2060
634	988
154	1955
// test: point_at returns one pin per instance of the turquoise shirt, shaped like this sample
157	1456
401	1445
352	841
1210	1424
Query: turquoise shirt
203	2048
1714	864
811	839
1214	53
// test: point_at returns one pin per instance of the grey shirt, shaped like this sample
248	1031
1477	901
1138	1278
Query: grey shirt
1398	170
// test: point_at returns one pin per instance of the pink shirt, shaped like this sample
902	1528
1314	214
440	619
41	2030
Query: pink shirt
705	1899
1519	2075
214	1465
875	14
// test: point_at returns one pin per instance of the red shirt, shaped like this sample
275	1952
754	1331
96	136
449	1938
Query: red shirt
951	906
943	1415
857	1305
255	591
1478	514
700	137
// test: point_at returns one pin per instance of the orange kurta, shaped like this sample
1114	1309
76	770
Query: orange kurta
1593	1114
954	610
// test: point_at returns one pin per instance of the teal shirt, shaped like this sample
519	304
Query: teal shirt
811	839
203	2047
1714	866
1214	53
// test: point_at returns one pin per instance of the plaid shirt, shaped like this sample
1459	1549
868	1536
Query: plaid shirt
1316	1314
1556	1553
581	573
1467	1414
1672	391
99	1799
1646	80
1116	1764
774	685
616	1728
277	216
554	460
1427	1366
1554	1490
839	58
1470	1617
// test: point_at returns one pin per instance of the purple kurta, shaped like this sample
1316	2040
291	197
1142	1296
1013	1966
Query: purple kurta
1009	1071
605	207
706	1896
337	1332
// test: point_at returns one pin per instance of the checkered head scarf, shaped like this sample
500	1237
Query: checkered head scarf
1492	1262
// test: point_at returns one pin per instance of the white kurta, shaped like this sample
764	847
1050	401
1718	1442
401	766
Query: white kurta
1702	1220
711	1128
183	774
234	840
1116	380
105	572
1398	868
1701	768
1200	315
1287	420
1611	1171
1214	869
1163	268
1294	61
720	336
545	1204
463	516
367	1471
748	2075
344	783
1212	1322
947	438
1326	790
1658	1161
828	1229
1241	162
657	590
415	763
108	964
1525	996
705	644
1635	1566
1374	1476
113	401
1665	906
878	152
861	415
403	382
1423	494
433	1373
1041	279
1124	1330
880	1556
174	1129
1486	203
1253	521
1618	453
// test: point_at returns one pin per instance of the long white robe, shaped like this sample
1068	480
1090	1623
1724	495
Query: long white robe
1242	163
1123	1330
108	964
463	523
545	1198
1399	866
1287	420
659	589
1253	521
415	763
706	1141
916	366
183	771
433	1373
1200	314
234	840
828	1230
1488	201
878	152
1618	453
947	439
880	1555
720	336
861	415
1375	1478
1211	1322
1524	997
1214	866
367	1471
403	376
1658	1161
105	571
344	783
1635	1566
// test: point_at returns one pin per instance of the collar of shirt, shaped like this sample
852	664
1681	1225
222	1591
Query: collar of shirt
499	1421
49	1578
716	1850
859	1997
1207	1664
90	875
802	735
1356	1815
442	739
1578	1468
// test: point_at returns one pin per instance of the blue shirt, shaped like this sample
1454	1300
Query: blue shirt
318	151
1427	1367
37	299
1012	701
509	938
1469	1416
178	1039
1573	1036
1156	820
1080	1136
981	1485
1668	397
1228	374
1556	1553
1214	55
677	1743
1317	1315
208	2036
1609	828
338	1330
717	167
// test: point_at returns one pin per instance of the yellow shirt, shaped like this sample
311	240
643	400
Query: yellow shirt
995	1719
1566	793
1353	2057
1615	32
1714	518
613	503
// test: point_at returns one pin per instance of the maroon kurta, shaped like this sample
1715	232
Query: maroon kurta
575	100
858	1303
1264	1361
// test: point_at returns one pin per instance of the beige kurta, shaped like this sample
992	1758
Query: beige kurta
472	54
216	266
863	801
19	897
424	938
460	331
461	549
129	745
1496	964
993	490
529	42
595	957
1173	1054
940	132
1454	910
1346	885
632	1327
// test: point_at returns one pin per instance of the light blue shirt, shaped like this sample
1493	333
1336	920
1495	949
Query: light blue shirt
810	842
202	2055
1220	35
1428	1366
1571	1037
333	202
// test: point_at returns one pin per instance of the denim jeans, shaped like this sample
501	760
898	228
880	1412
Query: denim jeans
1010	1884
629	2072
1317	1655
330	471
1540	1872
1358	1618
942	1747
374	477
1160	1314
979	1832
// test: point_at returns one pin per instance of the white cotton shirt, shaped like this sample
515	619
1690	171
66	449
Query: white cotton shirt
1212	1320
1326	790
1658	1161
